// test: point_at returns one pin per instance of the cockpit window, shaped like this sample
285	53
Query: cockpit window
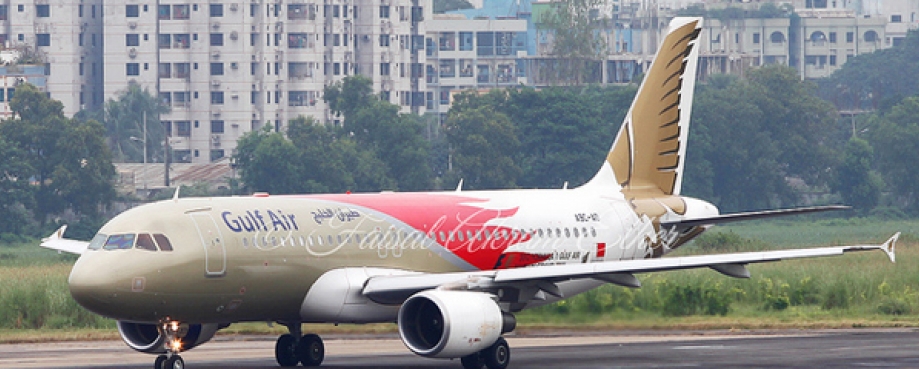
163	242
97	241
119	241
145	242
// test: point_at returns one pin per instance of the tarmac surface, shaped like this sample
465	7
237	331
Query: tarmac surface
874	348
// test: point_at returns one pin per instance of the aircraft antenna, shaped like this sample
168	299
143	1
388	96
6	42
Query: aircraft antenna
175	196
459	186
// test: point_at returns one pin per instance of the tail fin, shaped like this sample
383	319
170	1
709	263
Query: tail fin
646	159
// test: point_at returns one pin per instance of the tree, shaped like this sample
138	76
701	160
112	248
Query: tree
67	165
15	192
577	42
483	144
124	125
854	180
895	137
268	162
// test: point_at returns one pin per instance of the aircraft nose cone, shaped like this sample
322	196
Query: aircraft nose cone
90	287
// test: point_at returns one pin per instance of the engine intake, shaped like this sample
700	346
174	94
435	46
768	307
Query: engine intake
451	324
145	337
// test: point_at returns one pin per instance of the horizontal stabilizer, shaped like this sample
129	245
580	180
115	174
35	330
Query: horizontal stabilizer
56	241
738	217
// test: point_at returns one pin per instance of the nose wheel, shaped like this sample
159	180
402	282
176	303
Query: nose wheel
292	348
173	332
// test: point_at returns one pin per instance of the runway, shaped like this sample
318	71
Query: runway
892	348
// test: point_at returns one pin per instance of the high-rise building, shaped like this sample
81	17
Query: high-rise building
64	36
226	68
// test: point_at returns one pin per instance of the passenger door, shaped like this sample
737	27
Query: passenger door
215	256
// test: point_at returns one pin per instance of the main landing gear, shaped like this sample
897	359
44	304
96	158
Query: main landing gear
173	332
293	348
496	356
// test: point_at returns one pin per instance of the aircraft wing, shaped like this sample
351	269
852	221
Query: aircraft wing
396	288
56	241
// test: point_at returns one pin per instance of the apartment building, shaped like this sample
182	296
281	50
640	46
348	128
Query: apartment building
465	54
66	38
226	68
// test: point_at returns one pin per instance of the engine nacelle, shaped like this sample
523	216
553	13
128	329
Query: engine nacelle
451	324
145	337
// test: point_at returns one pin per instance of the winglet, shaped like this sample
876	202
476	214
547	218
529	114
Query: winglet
58	234
57	242
890	246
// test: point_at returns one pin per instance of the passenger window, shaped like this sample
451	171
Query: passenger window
97	242
470	235
302	241
549	233
459	235
584	231
119	241
593	232
540	233
357	238
245	242
558	232
145	242
576	234
319	240
442	237
567	233
331	240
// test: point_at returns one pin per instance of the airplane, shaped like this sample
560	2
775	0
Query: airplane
449	268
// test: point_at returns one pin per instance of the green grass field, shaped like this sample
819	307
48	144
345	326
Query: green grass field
857	290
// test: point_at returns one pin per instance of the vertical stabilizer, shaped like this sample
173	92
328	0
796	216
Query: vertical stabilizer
647	158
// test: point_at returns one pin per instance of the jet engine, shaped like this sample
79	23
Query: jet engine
451	324
145	337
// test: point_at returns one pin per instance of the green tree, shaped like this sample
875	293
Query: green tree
68	166
854	180
895	137
124	125
268	161
15	192
483	144
577	40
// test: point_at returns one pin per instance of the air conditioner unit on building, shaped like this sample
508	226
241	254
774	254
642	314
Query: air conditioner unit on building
131	25
215	54
215	83
348	56
215	113
234	35
215	140
387	85
215	25
132	53
234	65
234	7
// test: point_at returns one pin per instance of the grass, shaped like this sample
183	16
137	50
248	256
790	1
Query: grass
857	290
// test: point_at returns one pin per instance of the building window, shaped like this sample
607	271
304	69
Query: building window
43	39
336	68
384	11
384	40
217	154
384	69
896	18
850	37
133	69
216	126
131	11
43	11
183	70
216	69
165	70
182	41
163	12
777	37
756	38
871	36
217	97
183	128
216	10
180	12
132	39
216	39
832	37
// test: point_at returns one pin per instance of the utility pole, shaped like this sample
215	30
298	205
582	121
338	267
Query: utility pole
145	151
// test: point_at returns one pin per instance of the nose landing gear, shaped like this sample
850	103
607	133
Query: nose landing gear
293	348
173	332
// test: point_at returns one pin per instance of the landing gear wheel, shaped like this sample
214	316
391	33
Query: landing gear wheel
174	362
498	355
285	350
160	360
310	350
473	361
